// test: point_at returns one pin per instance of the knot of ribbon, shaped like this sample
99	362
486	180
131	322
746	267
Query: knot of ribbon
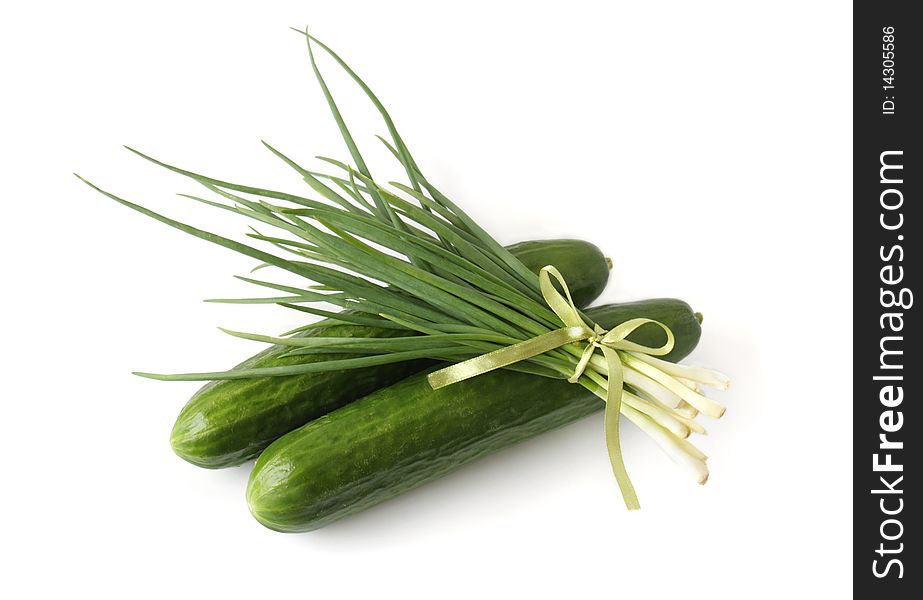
609	342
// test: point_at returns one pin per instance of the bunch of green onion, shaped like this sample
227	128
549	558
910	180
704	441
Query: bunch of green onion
405	257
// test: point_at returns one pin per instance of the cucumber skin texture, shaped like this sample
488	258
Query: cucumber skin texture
402	436
227	423
584	266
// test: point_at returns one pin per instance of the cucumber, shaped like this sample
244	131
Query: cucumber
402	436
229	422
583	265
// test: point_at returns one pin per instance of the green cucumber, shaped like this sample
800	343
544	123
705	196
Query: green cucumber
229	422
583	265
402	436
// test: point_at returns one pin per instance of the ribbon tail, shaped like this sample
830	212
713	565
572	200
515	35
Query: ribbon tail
505	356
613	409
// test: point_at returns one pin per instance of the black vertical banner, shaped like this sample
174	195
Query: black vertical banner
887	371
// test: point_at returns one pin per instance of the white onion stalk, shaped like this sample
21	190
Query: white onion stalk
651	388
680	451
662	417
701	375
700	402
659	414
687	410
690	384
675	399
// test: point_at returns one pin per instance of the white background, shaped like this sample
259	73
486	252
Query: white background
705	146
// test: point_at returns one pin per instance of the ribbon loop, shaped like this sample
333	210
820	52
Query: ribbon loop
615	337
565	308
575	329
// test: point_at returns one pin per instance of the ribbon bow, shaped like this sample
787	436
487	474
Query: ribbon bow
575	329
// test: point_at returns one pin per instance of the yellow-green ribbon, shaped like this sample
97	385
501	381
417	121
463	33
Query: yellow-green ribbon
575	329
